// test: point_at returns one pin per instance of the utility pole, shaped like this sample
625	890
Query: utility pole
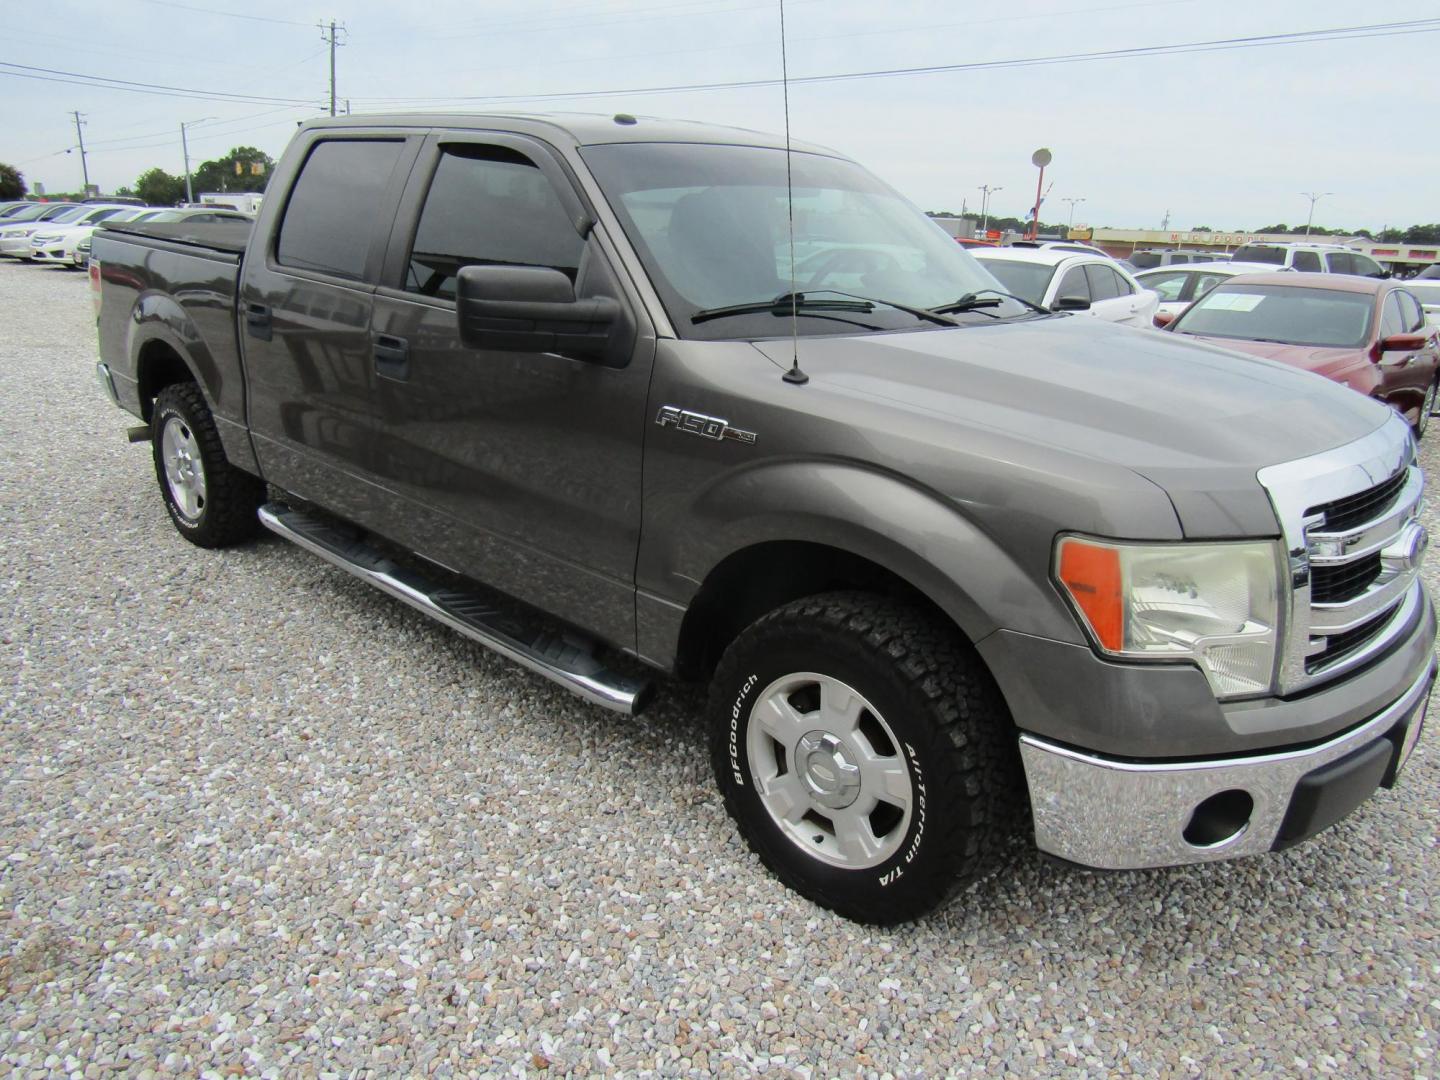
1165	221
985	192
1314	197
328	34
1072	203
80	136
185	149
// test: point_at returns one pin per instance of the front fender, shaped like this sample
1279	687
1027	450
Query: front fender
910	531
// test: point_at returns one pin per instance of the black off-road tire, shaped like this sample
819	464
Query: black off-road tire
227	513
959	745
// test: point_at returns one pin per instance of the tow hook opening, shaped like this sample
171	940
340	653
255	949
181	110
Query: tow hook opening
1220	818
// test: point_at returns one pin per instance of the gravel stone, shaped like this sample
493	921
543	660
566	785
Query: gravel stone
258	820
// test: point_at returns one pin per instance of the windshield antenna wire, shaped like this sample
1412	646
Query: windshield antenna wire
794	375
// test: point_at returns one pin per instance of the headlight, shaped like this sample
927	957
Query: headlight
1214	604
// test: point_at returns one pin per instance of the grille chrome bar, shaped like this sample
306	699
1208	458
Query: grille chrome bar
1364	479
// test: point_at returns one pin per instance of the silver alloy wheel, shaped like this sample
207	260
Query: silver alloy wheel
184	470
1427	409
829	770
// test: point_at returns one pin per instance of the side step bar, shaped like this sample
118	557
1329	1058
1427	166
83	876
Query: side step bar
521	638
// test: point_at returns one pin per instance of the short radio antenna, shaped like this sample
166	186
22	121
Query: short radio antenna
794	375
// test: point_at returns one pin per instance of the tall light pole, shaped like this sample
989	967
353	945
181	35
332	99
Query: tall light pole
1314	197
1072	203
985	192
1039	159
185	149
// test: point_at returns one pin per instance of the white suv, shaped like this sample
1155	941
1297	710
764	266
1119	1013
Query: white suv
1312	259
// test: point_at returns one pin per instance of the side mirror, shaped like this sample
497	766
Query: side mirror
1400	343
1163	319
1070	303
530	309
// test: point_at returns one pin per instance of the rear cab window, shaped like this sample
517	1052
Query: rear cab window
329	219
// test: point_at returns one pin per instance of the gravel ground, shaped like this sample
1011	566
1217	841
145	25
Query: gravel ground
258	820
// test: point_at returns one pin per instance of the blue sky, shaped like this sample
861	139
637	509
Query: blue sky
1222	138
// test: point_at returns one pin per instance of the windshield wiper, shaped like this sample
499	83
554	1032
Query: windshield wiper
972	301
928	314
781	305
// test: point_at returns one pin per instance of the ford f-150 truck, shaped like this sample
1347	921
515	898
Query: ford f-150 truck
951	564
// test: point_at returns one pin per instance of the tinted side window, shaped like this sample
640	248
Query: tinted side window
1391	320
1308	261
1205	282
1102	283
1412	311
1073	285
488	206
335	206
1144	260
1340	262
1122	286
1366	266
1259	253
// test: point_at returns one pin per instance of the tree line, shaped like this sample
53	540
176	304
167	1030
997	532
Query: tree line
243	169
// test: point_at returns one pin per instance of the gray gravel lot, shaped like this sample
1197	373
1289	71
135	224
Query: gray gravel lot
258	820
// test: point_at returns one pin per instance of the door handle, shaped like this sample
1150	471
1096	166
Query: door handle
257	321
392	357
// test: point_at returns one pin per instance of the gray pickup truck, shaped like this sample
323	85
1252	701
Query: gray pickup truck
952	565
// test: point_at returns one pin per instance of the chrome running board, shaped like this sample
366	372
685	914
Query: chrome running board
516	636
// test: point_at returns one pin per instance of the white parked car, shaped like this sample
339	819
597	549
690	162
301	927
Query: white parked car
1428	293
1311	259
1180	286
15	239
58	245
1066	281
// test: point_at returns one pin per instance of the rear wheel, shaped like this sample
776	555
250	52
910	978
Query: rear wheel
865	754
1427	409
212	503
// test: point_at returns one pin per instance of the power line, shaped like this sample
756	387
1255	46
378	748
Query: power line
225	14
105	82
1341	33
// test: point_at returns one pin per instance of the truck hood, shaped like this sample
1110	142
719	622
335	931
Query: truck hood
1197	420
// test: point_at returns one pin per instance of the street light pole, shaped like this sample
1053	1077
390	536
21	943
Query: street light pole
985	192
1072	203
80	138
185	150
1314	197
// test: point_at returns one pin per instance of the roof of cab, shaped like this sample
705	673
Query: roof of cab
580	129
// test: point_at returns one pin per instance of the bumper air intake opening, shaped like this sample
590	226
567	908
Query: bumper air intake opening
1221	817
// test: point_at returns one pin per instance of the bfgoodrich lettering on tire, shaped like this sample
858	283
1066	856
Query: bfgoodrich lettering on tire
864	753
211	502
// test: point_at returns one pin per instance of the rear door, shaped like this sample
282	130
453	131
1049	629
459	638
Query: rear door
305	303
519	469
1112	298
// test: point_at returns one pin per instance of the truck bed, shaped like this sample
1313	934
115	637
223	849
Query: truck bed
227	236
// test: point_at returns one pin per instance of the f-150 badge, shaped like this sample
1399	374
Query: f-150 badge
707	427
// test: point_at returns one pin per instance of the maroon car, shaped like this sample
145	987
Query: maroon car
1367	333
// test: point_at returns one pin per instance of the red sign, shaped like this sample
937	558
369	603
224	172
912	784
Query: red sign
1422	254
992	234
1384	251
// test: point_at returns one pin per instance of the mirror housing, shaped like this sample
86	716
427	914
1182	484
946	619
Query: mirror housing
1163	319
530	309
1070	303
1399	343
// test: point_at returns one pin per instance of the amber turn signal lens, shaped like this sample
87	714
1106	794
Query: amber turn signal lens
1091	575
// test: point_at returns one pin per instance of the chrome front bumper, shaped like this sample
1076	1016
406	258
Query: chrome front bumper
1118	815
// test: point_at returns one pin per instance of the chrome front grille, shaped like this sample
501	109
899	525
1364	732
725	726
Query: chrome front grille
1354	548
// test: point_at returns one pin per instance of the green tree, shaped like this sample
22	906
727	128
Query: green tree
1391	236
242	169
159	188
12	184
1422	234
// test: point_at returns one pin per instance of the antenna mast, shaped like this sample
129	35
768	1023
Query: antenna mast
794	375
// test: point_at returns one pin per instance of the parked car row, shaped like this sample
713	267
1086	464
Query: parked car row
62	236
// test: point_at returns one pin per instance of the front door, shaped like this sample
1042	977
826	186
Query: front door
519	469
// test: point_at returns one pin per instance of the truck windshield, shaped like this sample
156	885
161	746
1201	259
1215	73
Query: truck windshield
1287	314
710	223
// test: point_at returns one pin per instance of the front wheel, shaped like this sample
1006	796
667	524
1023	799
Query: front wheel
1427	409
865	754
212	503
